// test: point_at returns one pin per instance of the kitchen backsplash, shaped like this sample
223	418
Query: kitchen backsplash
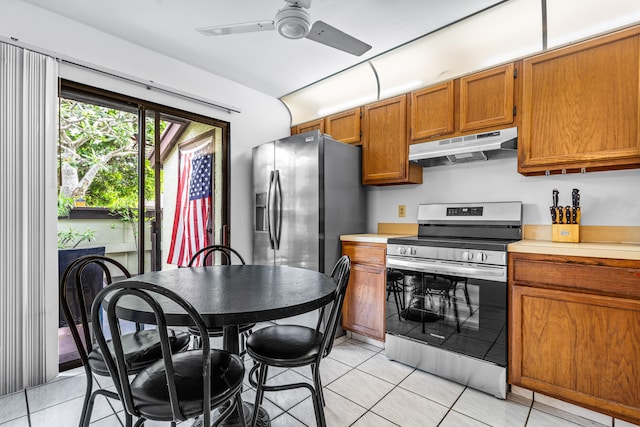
607	198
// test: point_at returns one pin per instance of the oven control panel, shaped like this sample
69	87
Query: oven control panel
465	211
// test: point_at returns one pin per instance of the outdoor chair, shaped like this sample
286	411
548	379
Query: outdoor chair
178	386
291	346
141	348
226	254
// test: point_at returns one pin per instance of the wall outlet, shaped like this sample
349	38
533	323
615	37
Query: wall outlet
402	211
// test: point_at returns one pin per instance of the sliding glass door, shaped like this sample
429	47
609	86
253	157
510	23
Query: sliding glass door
148	205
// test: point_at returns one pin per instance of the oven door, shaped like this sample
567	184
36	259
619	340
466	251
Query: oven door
454	308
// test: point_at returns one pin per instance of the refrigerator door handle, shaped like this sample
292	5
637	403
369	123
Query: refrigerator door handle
278	203
270	211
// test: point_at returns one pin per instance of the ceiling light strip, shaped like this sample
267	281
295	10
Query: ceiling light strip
544	25
375	73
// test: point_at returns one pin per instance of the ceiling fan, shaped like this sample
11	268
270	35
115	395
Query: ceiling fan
294	22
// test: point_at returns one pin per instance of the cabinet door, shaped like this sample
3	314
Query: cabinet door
363	310
581	106
486	98
364	305
309	126
432	111
385	152
582	348
345	126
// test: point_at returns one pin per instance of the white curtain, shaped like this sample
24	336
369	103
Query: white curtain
28	219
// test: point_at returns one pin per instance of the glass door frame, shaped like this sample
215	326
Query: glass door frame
143	107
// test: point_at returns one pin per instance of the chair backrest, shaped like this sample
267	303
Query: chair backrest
114	356
73	296
226	252
340	273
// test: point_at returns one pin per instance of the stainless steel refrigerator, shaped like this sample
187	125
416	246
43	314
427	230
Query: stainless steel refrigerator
307	192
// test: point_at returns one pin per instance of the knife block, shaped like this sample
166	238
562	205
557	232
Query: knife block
568	233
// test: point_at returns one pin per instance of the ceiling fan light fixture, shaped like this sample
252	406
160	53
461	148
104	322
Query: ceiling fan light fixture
293	22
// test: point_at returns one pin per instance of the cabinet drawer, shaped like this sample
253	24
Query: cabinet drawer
607	276
366	253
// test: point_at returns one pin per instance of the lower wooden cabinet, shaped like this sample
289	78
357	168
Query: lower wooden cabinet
364	305
574	330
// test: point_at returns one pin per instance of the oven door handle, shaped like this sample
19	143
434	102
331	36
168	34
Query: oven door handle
449	268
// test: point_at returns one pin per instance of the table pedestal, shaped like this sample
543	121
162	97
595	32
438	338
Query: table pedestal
231	343
263	417
234	421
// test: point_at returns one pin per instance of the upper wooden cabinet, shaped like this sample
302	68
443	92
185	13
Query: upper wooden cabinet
385	149
345	126
432	111
486	98
580	106
308	126
471	103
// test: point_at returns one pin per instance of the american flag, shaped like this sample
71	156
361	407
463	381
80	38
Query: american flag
193	204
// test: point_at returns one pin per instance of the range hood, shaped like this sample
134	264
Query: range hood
464	148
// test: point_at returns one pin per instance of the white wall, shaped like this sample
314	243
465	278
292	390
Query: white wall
606	198
263	117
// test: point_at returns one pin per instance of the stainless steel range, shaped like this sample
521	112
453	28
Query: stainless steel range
451	314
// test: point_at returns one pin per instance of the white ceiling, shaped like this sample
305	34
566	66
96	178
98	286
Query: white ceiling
264	61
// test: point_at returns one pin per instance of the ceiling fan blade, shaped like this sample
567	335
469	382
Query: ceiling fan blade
302	3
324	33
245	27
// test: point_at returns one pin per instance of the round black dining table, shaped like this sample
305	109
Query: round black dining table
229	295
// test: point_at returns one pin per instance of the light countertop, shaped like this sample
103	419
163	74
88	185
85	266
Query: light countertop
369	238
595	250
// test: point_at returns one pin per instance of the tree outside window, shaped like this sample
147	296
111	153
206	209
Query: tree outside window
98	155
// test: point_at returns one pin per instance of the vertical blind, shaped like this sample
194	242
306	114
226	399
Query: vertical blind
28	254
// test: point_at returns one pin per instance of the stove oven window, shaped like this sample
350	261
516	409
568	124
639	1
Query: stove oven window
463	315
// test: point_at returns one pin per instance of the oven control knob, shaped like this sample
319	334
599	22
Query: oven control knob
467	256
402	250
412	251
483	256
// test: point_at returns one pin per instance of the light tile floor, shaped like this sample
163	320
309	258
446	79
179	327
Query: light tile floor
362	388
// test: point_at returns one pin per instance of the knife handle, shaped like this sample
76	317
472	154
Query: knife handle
554	219
560	220
567	214
577	213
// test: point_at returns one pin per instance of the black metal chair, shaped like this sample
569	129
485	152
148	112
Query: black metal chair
291	346
141	347
444	287
179	386
395	286
226	254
